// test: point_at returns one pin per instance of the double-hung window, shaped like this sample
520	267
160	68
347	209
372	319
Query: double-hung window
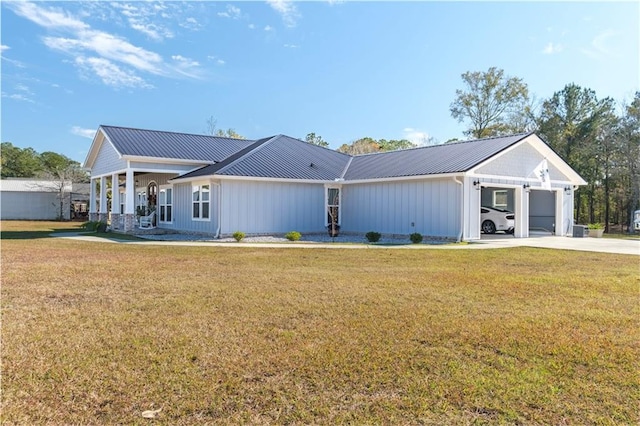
165	204
201	196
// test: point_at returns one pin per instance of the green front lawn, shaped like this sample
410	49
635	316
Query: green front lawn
98	333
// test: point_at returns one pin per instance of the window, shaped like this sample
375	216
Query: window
123	200
201	200
165	205
333	206
500	198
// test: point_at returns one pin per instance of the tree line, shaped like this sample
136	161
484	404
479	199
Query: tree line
28	163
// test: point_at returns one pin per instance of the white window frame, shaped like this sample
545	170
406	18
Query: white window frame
327	205
200	200
506	196
160	205
123	200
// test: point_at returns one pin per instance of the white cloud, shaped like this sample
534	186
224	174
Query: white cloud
232	12
93	48
191	24
85	133
268	28
23	88
416	136
601	46
287	11
48	18
552	48
140	19
18	97
291	46
4	47
215	58
251	26
110	73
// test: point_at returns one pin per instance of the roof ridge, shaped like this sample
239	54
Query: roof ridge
445	144
174	132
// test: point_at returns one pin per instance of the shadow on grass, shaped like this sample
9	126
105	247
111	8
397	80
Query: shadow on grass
31	235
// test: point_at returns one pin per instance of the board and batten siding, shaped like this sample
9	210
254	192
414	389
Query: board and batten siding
430	207
183	207
107	160
271	207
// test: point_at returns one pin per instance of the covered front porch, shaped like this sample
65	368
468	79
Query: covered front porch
124	198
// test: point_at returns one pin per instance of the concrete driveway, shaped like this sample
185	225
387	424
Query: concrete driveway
601	245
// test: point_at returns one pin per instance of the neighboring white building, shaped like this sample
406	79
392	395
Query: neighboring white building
32	199
215	185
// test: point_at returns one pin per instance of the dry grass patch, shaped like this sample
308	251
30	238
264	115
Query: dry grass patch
98	333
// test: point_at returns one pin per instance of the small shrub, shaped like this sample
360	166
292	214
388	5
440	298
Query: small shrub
293	236
416	238
372	236
94	226
238	235
595	226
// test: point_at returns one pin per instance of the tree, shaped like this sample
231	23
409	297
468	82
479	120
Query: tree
368	145
314	139
572	121
213	131
395	144
365	145
18	162
229	133
492	102
629	164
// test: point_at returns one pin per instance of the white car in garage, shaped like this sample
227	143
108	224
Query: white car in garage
493	219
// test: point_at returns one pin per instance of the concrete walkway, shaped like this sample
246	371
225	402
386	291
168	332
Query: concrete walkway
601	245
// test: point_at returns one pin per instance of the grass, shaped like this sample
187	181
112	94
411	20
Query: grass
98	333
21	230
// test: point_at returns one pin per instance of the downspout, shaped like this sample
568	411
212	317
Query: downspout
219	209
455	179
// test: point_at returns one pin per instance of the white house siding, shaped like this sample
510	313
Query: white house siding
521	161
33	205
183	207
107	160
271	207
430	207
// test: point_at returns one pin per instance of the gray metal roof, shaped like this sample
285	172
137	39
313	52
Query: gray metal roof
184	146
280	157
447	158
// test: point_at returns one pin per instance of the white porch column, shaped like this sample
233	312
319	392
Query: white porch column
92	197
93	205
130	191
115	195
103	199
115	202
129	204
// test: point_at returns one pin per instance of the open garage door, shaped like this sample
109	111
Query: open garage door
542	212
497	211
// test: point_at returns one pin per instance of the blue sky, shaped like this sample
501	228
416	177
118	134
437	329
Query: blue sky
343	70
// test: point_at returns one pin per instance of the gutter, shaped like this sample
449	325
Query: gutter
455	179
219	209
